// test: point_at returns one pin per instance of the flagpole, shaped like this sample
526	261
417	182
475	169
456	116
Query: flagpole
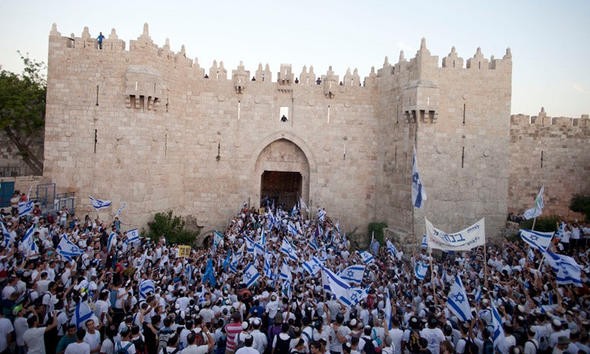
432	273
485	265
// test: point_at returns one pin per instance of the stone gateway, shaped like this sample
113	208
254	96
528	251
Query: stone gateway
152	128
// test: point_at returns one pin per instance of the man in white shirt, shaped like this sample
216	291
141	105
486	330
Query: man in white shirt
79	346
6	332
33	337
92	337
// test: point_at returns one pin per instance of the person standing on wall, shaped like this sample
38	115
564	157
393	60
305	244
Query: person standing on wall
99	39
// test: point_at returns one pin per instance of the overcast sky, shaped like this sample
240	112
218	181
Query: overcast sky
549	39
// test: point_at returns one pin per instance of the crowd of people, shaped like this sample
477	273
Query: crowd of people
263	286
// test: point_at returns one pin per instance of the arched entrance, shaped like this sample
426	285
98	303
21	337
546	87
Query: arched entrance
280	188
283	172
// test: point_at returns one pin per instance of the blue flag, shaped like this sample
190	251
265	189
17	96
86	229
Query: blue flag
209	276
418	192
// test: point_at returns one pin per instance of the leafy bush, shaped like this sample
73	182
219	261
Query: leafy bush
581	204
172	227
377	228
543	223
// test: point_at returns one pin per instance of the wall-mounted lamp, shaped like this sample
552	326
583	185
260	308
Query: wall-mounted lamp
218	157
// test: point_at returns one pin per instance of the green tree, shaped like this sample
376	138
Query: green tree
172	227
581	204
22	108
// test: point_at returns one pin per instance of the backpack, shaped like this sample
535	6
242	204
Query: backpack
200	339
414	342
122	350
369	347
282	346
139	345
470	347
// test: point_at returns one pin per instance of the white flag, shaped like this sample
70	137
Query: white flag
250	275
538	208
353	274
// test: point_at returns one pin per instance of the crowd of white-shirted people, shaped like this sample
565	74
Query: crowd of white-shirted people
282	282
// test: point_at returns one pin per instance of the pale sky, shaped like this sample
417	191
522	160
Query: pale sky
550	40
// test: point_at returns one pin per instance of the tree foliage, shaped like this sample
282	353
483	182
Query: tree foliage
581	204
172	227
543	223
22	108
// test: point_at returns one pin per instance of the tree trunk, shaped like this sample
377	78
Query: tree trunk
28	157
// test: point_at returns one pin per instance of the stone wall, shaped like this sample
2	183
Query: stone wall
152	128
549	151
11	162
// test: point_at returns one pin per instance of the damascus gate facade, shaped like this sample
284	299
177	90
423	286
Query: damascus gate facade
150	127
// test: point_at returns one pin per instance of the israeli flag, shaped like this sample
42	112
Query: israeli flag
388	309
497	329
28	244
217	239
286	289
536	239
312	267
132	237
146	287
292	229
334	284
99	204
120	210
111	241
567	270
250	275
285	272
457	301
353	274
391	249
354	296
271	219
68	249
420	270
418	192
25	208
424	243
367	257
302	205
288	250
267	268
477	294
6	235
249	244
82	313
538	208
321	215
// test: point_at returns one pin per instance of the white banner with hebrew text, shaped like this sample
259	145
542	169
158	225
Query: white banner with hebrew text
464	240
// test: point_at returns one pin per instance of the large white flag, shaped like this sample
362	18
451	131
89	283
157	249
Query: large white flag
567	270
536	239
538	208
418	192
457	301
289	250
464	240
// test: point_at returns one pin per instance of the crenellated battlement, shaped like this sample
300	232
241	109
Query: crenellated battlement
542	120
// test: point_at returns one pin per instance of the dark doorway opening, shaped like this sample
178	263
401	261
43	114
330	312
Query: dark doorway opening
281	188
